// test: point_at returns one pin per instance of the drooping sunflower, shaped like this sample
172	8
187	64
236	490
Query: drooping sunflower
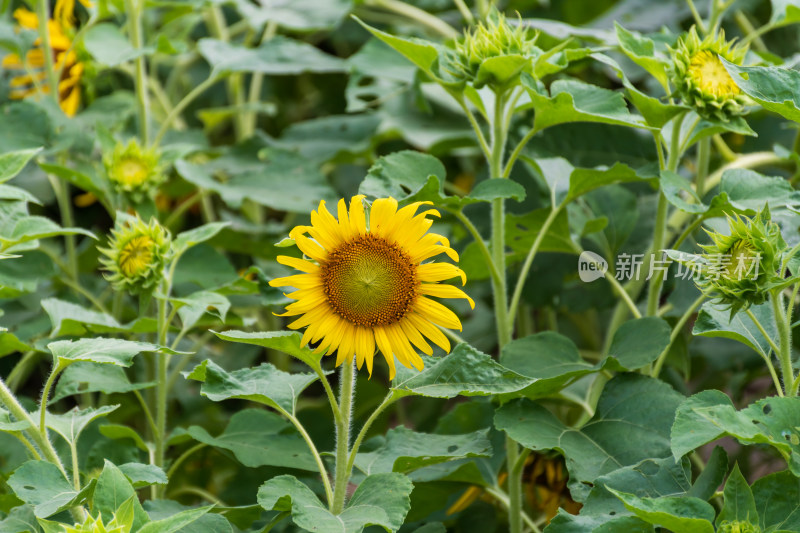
366	283
32	79
702	80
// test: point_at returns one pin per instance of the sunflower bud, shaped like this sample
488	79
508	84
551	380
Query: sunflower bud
740	268
134	171
491	39
701	79
737	526
136	255
96	525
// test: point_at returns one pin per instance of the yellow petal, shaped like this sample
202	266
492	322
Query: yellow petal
386	349
440	272
437	313
445	291
429	330
299	264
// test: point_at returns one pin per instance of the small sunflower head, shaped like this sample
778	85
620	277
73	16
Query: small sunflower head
134	171
740	268
136	255
701	79
738	526
96	525
490	39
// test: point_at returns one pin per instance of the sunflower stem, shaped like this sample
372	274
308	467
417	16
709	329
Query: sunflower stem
785	346
43	15
135	9
341	481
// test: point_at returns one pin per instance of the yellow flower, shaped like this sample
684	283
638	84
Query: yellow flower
368	285
137	254
33	79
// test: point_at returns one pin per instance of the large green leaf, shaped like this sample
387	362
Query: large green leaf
258	438
642	51
772	87
41	484
263	384
675	513
186	239
176	522
380	500
583	180
548	357
287	342
466	372
710	415
31	228
109	46
631	424
12	163
100	350
639	342
739	503
784	12
112	491
777	499
405	450
576	101
277	56
72	423
90	377
302	15
713	321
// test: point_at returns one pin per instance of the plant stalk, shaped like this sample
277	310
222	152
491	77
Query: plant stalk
785	345
135	10
342	478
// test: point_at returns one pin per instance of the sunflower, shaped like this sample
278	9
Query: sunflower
33	80
368	286
136	255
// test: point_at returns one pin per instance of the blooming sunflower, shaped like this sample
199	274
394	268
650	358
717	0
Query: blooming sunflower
702	80
368	285
33	79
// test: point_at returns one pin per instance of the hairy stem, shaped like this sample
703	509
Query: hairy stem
343	436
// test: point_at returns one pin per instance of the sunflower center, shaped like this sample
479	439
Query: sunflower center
370	281
742	261
710	75
136	255
132	172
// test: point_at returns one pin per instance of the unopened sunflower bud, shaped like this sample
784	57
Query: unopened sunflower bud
737	526
700	78
742	267
136	255
134	171
96	525
493	38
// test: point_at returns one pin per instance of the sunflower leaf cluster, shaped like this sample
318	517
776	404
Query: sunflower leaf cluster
700	78
136	255
743	266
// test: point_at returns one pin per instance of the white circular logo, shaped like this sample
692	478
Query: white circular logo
591	267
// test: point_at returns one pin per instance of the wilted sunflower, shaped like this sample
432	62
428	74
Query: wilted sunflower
368	284
33	78
702	80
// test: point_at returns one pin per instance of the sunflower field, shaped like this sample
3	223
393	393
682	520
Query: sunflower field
344	266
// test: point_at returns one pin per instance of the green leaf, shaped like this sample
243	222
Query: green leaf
576	101
112	491
631	424
107	351
277	56
521	231
405	450
548	357
72	319
193	307
640	341
258	438
20	520
141	475
739	504
302	15
715	322
380	500
91	377
12	163
107	44
682	513
72	423
80	180
263	384
323	139
32	228
465	372
8	424
641	50
772	87
119	432
705	486
784	12
777	499
583	180
710	415
287	342
495	188
421	53
748	190
401	174
176	522
186	239
9	343
41	484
